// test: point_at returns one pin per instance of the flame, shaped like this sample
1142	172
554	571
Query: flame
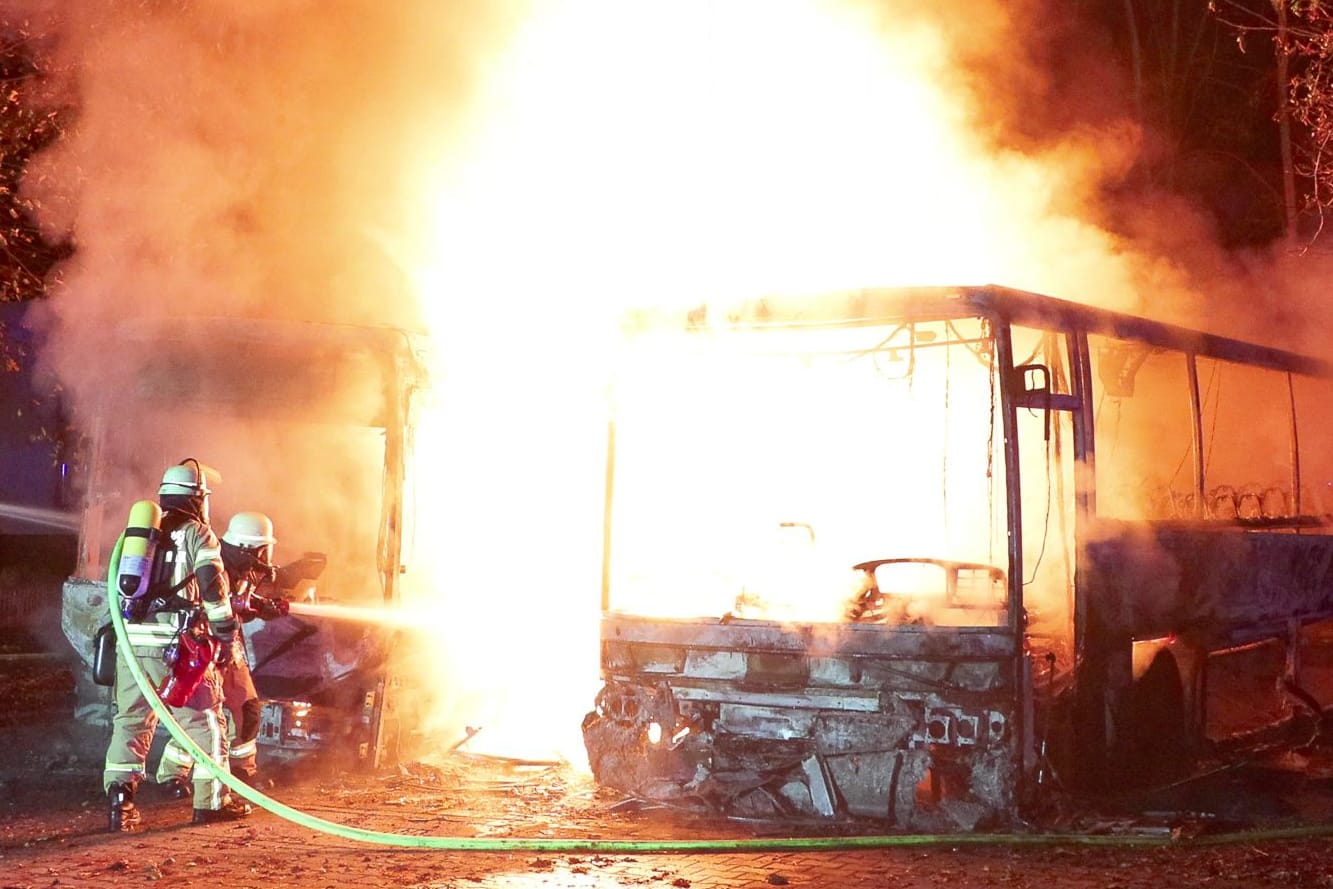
626	154
534	168
755	469
608	153
642	152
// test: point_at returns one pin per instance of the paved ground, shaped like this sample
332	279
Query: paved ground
52	819
52	826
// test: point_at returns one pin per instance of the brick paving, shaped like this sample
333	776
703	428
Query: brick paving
61	842
52	835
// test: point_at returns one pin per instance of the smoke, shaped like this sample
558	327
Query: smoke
242	162
1056	89
507	177
268	160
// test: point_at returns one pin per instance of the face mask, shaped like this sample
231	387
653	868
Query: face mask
256	556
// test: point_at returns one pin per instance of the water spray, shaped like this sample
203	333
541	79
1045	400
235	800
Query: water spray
36	515
391	617
521	844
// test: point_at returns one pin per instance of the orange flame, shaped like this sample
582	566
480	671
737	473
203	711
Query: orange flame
626	154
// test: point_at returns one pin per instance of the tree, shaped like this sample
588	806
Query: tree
1206	103
26	127
1302	35
1308	42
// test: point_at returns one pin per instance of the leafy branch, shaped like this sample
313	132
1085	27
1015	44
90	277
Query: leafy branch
27	125
1302	35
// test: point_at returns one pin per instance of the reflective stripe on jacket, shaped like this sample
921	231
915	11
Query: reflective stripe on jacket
154	632
198	568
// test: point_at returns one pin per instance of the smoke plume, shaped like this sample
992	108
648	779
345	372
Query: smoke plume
507	177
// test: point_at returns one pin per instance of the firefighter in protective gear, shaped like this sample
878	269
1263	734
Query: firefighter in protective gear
187	578
247	555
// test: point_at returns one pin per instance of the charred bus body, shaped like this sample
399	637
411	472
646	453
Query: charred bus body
908	554
308	422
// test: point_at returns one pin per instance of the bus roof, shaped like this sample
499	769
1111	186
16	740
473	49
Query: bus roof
874	306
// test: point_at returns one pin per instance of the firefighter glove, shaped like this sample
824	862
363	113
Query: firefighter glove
269	609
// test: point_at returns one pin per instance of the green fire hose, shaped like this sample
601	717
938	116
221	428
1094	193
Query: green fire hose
518	844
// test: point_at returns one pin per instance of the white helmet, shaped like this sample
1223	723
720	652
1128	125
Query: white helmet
188	477
250	530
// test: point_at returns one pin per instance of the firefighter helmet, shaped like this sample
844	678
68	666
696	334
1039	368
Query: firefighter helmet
250	530
188	477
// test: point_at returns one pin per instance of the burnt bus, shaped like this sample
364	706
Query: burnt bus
913	554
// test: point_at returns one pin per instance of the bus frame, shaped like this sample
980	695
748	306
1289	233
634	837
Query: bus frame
853	720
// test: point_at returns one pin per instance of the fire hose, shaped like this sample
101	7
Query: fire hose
695	846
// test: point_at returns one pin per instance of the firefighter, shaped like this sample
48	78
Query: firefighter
187	585
247	555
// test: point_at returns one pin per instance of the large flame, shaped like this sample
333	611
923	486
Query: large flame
626	154
535	168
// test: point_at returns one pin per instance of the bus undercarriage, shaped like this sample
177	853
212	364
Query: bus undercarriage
752	718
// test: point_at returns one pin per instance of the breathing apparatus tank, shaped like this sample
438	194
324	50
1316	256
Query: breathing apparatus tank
137	551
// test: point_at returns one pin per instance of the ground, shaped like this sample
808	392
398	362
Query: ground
52	826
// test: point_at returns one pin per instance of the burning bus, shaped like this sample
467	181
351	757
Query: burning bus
910	554
308	422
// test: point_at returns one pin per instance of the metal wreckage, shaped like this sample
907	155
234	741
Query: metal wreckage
913	454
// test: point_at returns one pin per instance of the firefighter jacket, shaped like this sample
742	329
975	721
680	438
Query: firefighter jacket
189	573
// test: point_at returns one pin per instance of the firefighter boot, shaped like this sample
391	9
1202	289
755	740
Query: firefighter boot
178	788
121	811
256	780
232	810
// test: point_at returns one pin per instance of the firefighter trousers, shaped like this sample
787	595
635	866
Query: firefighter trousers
135	722
241	700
